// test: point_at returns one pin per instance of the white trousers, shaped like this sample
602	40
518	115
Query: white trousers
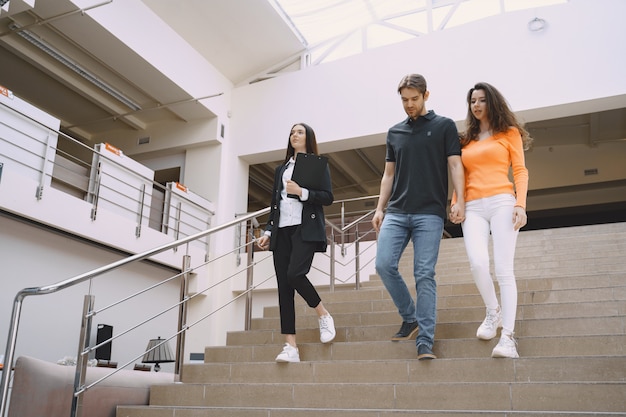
493	215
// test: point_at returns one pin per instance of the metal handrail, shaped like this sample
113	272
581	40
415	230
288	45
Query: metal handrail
49	289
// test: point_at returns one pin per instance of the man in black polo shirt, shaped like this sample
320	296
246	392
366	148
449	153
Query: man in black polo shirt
414	191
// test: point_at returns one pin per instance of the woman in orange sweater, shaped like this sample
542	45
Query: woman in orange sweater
494	143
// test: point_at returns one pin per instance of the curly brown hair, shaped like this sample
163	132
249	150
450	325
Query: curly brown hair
501	117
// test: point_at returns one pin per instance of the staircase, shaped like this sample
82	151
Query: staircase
571	330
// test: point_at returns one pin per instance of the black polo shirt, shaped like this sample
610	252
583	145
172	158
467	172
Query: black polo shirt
420	150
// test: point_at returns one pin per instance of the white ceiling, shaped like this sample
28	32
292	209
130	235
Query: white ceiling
241	38
239	41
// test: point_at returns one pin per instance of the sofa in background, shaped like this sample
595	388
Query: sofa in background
43	388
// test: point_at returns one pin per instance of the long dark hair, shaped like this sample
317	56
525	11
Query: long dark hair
311	141
501	117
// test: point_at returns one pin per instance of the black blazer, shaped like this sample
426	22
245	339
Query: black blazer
313	224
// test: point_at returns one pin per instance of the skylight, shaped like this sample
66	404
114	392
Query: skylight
332	29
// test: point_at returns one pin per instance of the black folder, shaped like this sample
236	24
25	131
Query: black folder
309	172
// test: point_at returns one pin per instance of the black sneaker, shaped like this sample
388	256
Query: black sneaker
407	331
424	352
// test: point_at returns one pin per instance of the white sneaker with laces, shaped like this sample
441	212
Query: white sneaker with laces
506	347
489	327
289	354
327	328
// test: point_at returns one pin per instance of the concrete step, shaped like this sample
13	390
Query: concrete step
527	327
165	411
546	346
557	252
537	299
375	289
586	289
525	369
455	315
502	396
529	246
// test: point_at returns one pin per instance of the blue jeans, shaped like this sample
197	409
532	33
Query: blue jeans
425	230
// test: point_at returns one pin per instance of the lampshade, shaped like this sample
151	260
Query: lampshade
158	351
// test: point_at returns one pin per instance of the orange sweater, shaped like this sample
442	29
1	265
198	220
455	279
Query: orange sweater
487	164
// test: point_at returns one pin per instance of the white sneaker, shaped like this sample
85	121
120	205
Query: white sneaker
506	347
327	328
289	354
489	327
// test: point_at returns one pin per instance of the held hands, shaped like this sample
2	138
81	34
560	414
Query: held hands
293	188
263	242
519	217
457	213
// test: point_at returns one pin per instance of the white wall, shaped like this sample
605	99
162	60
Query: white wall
575	59
31	256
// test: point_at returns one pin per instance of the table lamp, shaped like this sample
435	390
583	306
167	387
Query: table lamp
158	351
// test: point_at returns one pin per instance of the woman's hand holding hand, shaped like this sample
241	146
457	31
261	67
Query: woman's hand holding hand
457	213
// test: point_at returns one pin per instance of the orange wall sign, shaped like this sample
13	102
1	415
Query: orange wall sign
6	92
113	149
181	187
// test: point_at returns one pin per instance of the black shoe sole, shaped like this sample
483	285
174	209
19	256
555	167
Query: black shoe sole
409	336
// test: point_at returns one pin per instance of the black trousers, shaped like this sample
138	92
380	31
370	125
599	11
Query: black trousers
292	261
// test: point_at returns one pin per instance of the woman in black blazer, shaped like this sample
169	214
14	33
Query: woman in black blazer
295	231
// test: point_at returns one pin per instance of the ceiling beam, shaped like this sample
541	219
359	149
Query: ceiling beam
74	81
343	165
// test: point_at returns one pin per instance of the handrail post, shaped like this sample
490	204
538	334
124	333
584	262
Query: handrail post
81	360
249	279
142	203
179	209
94	190
357	259
207	240
182	319
332	262
343	224
44	166
9	353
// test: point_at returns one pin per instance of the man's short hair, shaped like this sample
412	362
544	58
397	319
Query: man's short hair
415	81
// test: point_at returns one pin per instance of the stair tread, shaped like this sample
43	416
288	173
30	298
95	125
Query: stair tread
212	411
544	369
407	395
529	347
